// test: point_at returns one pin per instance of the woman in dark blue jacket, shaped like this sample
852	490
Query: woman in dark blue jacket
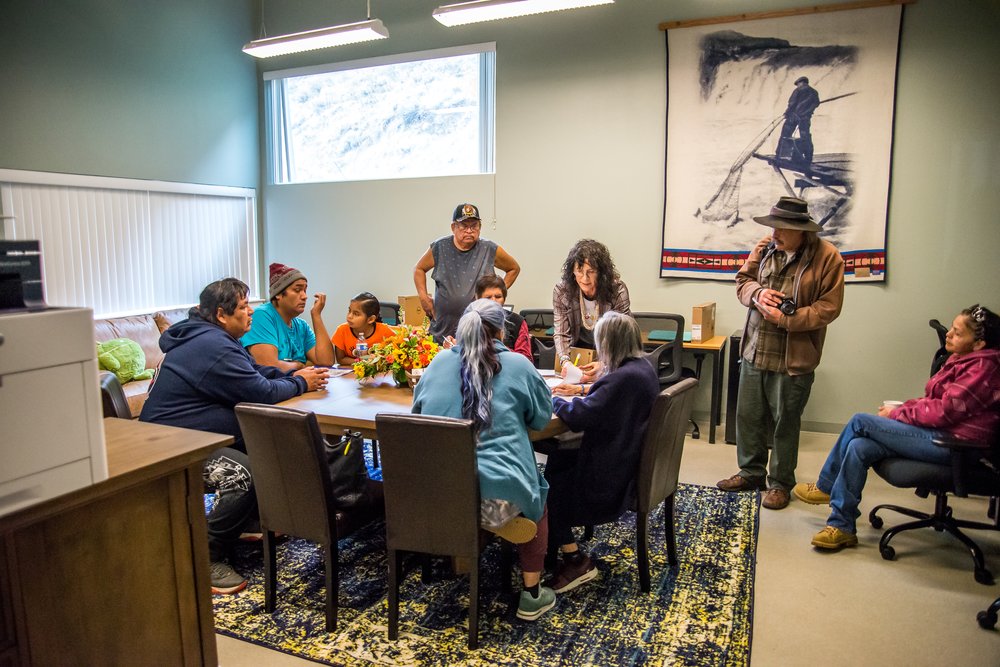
596	484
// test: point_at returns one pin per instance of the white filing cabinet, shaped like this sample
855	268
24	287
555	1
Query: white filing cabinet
51	428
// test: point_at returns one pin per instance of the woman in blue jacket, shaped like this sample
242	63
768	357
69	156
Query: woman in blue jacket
504	396
596	483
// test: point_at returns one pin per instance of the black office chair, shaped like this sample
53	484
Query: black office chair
113	399
389	312
544	354
974	469
432	500
663	337
294	492
540	321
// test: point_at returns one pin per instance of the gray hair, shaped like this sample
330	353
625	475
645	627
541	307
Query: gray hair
618	338
482	320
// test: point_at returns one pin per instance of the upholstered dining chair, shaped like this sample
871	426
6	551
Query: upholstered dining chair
656	476
431	500
294	492
113	399
658	470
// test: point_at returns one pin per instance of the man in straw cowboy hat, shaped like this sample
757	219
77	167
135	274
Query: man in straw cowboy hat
793	287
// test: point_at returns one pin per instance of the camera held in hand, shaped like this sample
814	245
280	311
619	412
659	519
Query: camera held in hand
787	306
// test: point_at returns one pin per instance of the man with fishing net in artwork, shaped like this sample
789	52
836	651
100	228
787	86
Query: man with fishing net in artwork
801	105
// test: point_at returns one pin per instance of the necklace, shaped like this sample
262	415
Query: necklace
590	310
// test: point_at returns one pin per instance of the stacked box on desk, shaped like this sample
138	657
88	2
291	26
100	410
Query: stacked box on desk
703	322
413	313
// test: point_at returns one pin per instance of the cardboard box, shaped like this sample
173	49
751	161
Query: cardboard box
411	311
703	322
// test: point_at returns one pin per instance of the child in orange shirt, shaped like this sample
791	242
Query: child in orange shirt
362	317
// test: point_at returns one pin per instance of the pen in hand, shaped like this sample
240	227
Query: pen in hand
576	362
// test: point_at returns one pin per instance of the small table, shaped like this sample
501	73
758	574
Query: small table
714	347
347	403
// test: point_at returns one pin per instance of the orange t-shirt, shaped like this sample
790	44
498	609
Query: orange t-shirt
345	339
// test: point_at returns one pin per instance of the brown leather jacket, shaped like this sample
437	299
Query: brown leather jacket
818	294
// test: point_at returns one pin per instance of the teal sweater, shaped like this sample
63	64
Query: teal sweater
521	401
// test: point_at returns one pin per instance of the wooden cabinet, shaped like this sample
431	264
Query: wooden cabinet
51	440
115	573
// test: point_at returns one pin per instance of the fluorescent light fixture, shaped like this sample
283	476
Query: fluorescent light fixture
321	38
489	10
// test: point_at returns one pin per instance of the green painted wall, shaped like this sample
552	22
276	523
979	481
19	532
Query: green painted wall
580	139
140	89
162	91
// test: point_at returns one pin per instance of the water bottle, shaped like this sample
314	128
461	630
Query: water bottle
361	349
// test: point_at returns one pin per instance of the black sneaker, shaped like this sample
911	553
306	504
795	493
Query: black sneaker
572	573
226	580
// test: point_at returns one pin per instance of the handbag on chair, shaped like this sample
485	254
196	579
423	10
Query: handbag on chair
346	464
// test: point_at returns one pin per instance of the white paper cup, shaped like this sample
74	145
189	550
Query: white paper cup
892	405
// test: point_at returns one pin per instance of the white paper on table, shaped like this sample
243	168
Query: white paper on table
573	374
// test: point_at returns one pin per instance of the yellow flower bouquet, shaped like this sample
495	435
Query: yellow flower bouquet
410	349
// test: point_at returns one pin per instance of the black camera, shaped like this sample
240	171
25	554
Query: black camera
787	306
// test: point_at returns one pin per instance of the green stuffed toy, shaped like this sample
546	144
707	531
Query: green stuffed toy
124	358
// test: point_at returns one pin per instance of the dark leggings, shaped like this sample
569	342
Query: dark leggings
563	503
227	472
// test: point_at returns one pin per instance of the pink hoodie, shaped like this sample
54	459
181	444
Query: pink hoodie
963	398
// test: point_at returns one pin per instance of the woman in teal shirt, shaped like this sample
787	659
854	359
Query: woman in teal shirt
504	396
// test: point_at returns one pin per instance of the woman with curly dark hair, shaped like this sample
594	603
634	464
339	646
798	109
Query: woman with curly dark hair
590	287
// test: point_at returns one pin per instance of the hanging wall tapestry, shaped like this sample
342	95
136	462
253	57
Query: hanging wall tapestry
758	109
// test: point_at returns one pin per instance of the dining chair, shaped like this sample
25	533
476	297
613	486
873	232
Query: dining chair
659	466
294	492
113	399
657	473
431	500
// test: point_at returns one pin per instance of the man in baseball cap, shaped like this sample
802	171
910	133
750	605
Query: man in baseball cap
278	336
793	287
459	260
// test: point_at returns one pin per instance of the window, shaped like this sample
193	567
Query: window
418	114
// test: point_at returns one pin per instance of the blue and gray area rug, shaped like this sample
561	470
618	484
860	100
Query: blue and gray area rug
699	613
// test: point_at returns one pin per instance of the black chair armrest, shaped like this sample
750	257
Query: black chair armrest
960	445
964	455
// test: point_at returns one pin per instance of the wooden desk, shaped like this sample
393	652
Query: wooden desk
116	572
346	403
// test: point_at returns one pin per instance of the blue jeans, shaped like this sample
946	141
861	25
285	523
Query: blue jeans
866	440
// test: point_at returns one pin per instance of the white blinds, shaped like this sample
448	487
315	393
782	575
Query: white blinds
126	246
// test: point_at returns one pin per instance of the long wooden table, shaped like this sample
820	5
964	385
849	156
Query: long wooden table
347	403
115	573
